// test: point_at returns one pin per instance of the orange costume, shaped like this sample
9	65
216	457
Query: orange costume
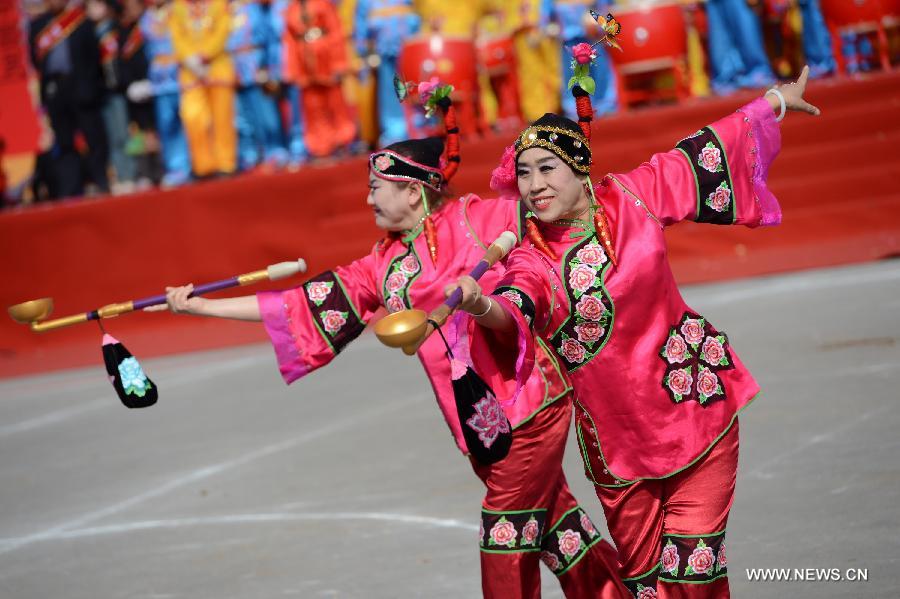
206	75
315	56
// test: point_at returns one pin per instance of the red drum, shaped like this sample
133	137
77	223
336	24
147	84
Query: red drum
497	56
847	13
453	61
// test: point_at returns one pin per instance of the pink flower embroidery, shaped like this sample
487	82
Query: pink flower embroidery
701	559
395	304
333	321
583	53
569	543
488	420
589	332
692	330
551	560
590	308
409	265
721	560
707	383
646	592
572	351
710	158
396	282
592	254
582	277
588	526
670	559
384	162
719	199
680	381
503	533
513	296
713	351
676	349
530	532
317	291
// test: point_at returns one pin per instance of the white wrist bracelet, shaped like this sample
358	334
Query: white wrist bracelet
780	97
490	305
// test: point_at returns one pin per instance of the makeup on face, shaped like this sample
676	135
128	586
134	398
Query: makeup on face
390	203
548	186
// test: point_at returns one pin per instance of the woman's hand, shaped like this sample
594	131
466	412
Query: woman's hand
178	302
793	96
473	301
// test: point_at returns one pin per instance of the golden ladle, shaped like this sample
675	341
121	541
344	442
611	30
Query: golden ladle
34	312
408	329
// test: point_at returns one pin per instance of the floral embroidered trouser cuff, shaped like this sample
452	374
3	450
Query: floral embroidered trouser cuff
670	533
529	515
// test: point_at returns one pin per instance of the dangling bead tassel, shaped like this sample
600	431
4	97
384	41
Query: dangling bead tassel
601	226
428	228
534	234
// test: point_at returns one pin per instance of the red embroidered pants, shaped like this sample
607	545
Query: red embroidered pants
670	532
529	515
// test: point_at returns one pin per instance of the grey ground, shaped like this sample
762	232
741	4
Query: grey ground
347	483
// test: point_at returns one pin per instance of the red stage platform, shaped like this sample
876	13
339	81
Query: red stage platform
838	179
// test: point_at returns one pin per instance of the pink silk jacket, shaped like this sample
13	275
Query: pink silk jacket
658	383
311	324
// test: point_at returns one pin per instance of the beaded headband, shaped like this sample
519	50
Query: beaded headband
391	166
572	147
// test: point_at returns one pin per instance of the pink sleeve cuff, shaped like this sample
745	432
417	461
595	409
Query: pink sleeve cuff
273	309
767	140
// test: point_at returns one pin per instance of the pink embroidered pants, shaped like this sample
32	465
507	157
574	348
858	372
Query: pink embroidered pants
670	532
529	515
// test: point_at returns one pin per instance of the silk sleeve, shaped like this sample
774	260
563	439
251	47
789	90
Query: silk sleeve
717	175
309	325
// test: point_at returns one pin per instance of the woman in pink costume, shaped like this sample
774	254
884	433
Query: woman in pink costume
658	387
528	511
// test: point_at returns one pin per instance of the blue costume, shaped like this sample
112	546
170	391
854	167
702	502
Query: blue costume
163	74
816	40
571	15
291	93
258	121
385	24
737	54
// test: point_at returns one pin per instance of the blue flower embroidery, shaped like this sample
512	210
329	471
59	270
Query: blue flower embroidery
134	381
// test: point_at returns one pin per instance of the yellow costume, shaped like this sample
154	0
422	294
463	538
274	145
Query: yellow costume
452	19
200	31
538	57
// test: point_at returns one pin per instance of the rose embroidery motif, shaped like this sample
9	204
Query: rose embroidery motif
513	296
503	533
395	304
551	560
721	560
701	560
589	332
692	329
488	420
587	525
384	162
333	321
582	277
720	199
670	559
646	592
713	351
676	349
680	382
481	533
707	384
590	308
134	381
530	532
569	543
592	254
572	351
395	282
317	291
409	265
710	158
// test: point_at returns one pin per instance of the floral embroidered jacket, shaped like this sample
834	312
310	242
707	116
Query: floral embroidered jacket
658	383
311	324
